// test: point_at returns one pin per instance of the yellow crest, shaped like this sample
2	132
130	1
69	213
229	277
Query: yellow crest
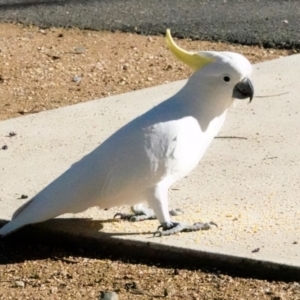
192	59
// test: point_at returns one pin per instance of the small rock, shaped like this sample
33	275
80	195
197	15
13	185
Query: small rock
176	272
12	133
255	250
53	290
130	285
23	197
268	292
4	147
168	67
109	296
296	285
60	35
79	50
166	293
22	112
169	292
295	243
76	79
20	283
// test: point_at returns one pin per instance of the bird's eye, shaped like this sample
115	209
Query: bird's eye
226	78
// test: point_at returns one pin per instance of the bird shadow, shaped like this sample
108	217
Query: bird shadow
59	238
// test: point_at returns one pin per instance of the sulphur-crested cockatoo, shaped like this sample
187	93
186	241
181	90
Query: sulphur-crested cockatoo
140	161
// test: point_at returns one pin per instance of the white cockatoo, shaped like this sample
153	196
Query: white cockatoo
140	161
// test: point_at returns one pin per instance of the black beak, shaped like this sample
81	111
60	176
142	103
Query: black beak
243	90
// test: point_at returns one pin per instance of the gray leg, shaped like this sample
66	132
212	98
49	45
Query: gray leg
157	198
141	213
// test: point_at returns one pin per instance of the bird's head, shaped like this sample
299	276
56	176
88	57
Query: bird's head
227	72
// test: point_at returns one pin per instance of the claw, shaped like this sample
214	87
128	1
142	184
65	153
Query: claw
159	227
157	233
122	216
213	223
144	214
128	217
133	217
172	228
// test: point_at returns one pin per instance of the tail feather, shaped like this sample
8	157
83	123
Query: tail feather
9	228
20	209
29	213
15	223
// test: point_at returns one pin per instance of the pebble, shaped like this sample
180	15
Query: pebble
268	292
53	290
79	50
176	272
22	112
11	134
169	292
109	296
4	147
76	79
20	283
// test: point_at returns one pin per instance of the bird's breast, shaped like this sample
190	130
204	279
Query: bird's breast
176	147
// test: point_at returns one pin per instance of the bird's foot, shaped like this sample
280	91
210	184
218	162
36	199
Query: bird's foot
134	217
175	212
172	228
143	214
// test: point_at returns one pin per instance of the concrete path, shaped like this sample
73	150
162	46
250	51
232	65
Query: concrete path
248	185
268	22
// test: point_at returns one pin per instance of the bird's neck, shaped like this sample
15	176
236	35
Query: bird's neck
204	109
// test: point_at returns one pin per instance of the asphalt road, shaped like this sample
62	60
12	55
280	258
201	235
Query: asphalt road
271	23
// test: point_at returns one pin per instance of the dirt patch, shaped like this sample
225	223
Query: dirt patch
43	69
50	272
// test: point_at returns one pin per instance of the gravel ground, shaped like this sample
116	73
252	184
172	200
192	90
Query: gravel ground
48	68
44	69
